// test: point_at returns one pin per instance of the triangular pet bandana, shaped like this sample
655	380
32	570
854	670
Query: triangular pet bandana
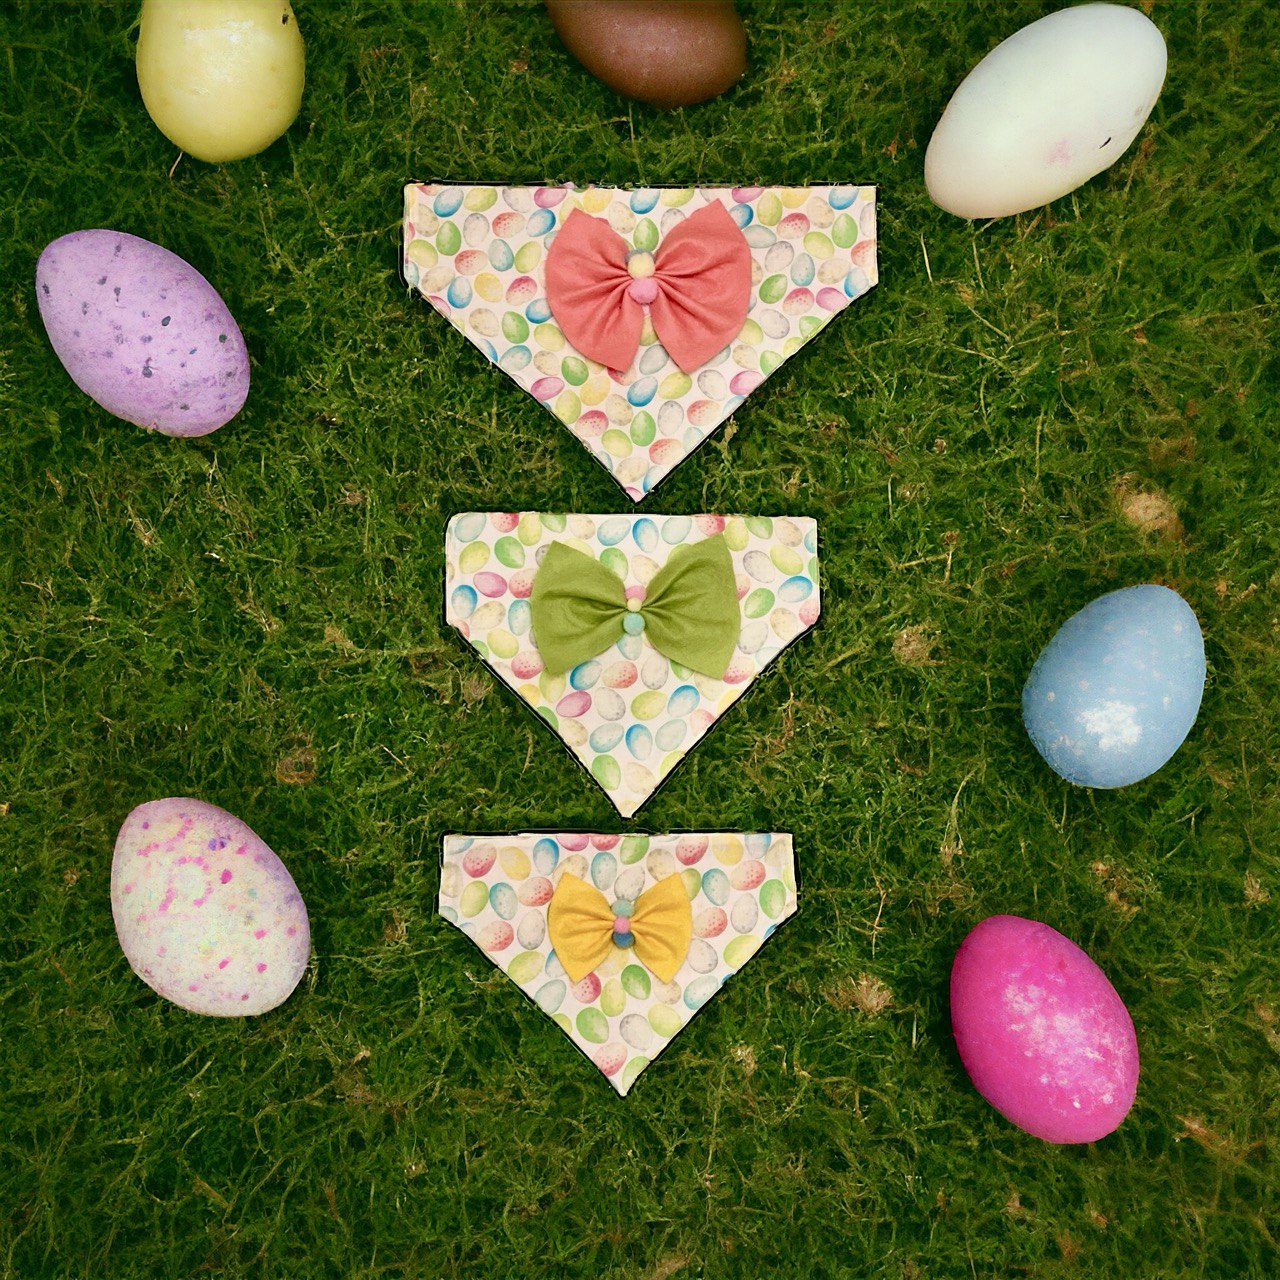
637	628
676	917
521	271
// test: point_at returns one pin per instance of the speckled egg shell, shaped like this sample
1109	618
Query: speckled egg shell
206	913
142	332
1115	692
1042	1033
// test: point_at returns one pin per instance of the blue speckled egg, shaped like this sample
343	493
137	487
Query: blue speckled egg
1115	692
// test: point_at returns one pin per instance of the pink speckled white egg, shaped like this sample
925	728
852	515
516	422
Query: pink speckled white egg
620	675
206	913
497	935
526	664
535	892
586	991
610	1058
710	922
689	849
142	332
478	860
747	875
1041	1031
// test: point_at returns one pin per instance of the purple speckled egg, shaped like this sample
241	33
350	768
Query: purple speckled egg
206	913
142	332
1042	1033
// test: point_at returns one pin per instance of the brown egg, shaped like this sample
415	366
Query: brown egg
667	52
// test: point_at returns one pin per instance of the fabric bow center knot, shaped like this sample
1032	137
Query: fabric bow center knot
696	287
579	608
583	926
640	267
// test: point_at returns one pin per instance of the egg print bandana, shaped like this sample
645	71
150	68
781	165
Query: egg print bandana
641	318
620	940
630	635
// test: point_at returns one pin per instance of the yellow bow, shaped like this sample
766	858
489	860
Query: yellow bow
581	923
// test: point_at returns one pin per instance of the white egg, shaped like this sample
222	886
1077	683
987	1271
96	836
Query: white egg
1046	110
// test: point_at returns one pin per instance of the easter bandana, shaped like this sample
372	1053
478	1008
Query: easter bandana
620	940
716	599
525	271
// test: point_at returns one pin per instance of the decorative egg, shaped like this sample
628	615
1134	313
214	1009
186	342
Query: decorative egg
142	332
222	79
1115	692
206	913
670	53
1042	1033
1046	110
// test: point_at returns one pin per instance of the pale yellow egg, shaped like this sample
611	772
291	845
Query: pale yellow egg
222	79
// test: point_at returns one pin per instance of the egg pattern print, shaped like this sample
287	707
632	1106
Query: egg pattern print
629	714
621	1015
478	253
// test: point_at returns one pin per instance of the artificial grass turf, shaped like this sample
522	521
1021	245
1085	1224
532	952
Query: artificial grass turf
255	618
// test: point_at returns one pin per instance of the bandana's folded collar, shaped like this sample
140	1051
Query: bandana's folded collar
646	265
628	707
704	903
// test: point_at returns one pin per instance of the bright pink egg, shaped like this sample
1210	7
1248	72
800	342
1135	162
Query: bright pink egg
1042	1033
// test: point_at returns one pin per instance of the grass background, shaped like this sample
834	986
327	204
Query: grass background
255	618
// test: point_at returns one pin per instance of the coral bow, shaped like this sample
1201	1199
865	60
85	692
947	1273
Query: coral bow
583	928
697	288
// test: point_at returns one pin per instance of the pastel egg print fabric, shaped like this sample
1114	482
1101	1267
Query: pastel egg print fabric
698	294
655	625
515	896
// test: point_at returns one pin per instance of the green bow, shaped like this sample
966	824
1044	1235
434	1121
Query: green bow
690	610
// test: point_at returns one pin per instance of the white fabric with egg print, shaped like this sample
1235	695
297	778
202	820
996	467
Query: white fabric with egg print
668	309
620	940
630	635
